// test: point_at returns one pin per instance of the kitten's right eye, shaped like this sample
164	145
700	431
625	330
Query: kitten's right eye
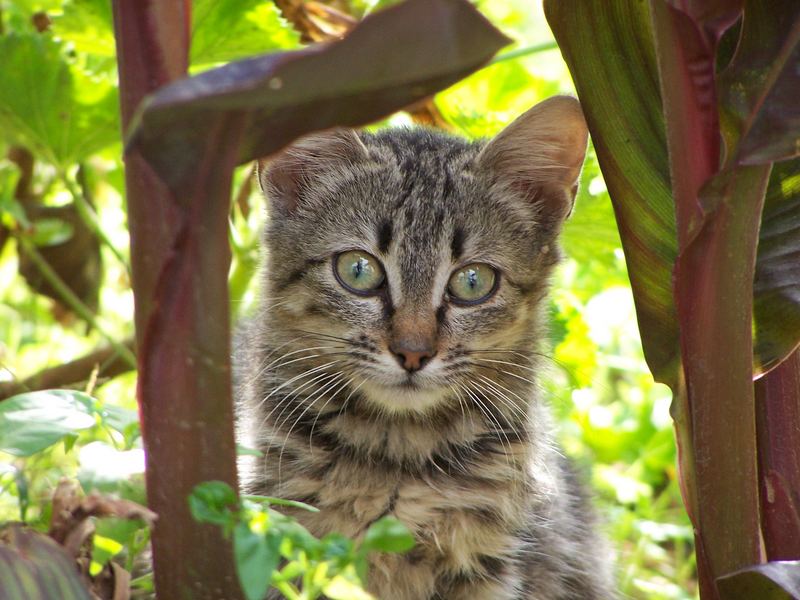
358	272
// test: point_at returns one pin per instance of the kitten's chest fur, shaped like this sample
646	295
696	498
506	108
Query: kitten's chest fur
481	507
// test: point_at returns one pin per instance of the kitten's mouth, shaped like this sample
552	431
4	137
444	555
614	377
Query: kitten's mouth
411	393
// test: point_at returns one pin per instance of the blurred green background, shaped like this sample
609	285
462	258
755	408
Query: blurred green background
58	101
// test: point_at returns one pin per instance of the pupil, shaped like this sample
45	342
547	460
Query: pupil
472	278
358	267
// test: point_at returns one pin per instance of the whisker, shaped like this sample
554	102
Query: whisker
505	362
309	403
350	395
277	360
321	410
326	335
505	399
487	413
295	378
321	379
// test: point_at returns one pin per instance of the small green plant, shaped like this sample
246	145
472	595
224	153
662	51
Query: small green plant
263	538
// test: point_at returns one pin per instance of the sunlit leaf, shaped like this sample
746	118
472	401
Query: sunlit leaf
225	30
51	232
41	107
34	421
88	25
631	148
257	556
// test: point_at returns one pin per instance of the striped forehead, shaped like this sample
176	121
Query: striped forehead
420	236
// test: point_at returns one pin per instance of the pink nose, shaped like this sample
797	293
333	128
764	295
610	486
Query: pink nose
412	360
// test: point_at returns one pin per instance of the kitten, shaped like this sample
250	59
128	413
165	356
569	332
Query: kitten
392	367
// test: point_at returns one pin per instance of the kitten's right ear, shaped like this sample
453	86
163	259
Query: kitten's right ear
286	176
539	156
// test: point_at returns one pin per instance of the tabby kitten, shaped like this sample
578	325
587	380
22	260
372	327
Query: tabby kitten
392	367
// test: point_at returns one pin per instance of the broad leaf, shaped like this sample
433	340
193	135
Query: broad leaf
389	60
212	501
622	103
34	567
778	580
257	556
760	85
621	100
43	107
224	30
777	280
34	421
89	26
388	535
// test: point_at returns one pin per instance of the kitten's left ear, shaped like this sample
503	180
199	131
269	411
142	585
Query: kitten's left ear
539	156
287	177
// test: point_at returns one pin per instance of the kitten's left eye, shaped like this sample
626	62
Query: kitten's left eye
358	271
472	284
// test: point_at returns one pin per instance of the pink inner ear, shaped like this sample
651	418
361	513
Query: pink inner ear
283	177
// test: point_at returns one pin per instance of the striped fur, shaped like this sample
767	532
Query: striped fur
460	451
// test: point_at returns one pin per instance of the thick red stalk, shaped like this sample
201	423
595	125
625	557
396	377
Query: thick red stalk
778	421
713	283
686	66
180	259
718	218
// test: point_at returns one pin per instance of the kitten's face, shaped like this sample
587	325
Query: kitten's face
413	262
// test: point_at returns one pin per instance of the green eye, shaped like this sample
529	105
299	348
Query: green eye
472	284
358	271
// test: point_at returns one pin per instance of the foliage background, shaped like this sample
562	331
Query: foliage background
59	99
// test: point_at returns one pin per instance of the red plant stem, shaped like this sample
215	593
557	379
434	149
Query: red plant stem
778	424
713	283
686	65
179	260
718	225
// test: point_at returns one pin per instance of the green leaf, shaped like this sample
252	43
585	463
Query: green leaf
281	502
245	451
212	502
779	580
388	535
257	556
119	418
255	107
590	233
34	567
622	103
42	107
341	588
33	421
88	26
50	232
225	30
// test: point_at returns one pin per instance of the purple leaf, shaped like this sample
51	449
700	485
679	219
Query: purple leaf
771	581
388	61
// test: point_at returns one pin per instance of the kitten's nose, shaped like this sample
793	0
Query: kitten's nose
411	359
